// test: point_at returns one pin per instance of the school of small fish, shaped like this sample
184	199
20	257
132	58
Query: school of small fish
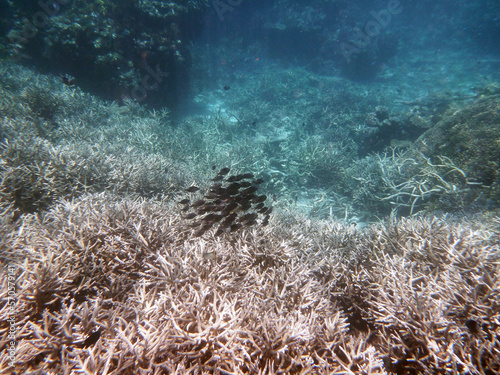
231	203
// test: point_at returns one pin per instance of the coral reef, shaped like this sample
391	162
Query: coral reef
107	285
99	273
59	142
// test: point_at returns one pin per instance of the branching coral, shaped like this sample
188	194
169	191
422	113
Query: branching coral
427	179
411	182
108	285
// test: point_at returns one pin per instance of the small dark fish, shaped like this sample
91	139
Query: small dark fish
249	197
225	196
245	184
258	181
213	218
219	177
211	196
186	208
239	198
250	190
265	222
269	211
250	223
216	187
206	208
220	230
232	192
249	217
228	220
231	207
258	206
192	215
206	226
244	199
232	189
235	227
192	189
194	224
198	203
224	171
246	206
220	206
260	198
184	201
226	87
239	177
217	218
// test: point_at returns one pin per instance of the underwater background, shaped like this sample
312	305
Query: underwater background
249	187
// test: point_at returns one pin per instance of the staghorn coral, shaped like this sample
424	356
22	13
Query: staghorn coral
111	285
412	182
86	146
42	102
35	173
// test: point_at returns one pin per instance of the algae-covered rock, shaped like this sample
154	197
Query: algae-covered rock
471	138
